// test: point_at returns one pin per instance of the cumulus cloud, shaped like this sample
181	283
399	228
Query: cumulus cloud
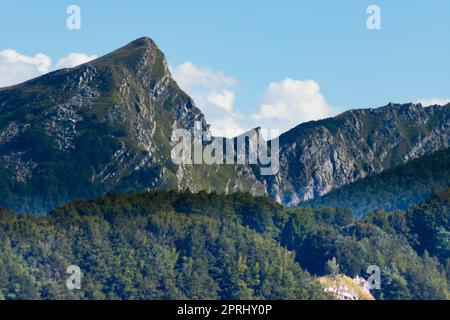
191	76
229	125
433	102
209	88
73	60
16	67
223	100
283	105
290	102
213	92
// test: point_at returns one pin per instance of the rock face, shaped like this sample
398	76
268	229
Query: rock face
107	126
319	156
343	287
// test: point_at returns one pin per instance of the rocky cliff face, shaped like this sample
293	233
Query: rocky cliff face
107	125
319	156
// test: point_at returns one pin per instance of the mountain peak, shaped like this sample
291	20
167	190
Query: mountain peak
136	55
145	40
142	42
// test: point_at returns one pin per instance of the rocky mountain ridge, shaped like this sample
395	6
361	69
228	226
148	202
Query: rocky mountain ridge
319	156
107	125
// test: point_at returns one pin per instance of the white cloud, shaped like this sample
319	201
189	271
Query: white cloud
290	102
190	76
284	104
213	92
209	88
222	100
229	125
433	102
16	68
73	60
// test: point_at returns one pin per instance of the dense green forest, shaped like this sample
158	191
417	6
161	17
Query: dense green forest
169	245
397	188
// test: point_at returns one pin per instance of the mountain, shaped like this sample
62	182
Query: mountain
393	189
170	245
106	126
319	156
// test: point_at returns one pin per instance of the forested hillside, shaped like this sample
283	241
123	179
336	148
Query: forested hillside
397	188
172	245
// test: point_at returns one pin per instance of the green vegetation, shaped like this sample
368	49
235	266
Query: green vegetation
332	267
393	189
168	245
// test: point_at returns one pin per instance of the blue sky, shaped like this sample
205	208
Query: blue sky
250	45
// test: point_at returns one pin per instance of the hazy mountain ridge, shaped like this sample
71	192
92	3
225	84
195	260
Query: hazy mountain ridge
319	156
396	188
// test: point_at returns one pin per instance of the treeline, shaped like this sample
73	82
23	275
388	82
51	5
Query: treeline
172	245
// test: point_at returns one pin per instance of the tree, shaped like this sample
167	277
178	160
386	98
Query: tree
332	267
